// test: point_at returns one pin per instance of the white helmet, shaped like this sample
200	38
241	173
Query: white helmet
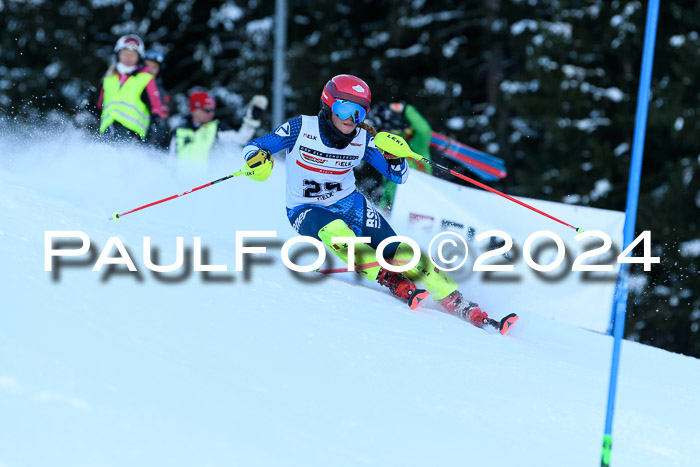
130	41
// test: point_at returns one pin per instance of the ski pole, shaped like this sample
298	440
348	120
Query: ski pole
397	146
360	267
116	215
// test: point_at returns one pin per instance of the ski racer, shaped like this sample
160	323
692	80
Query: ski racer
322	200
129	100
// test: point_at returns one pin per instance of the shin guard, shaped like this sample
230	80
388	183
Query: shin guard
436	281
364	254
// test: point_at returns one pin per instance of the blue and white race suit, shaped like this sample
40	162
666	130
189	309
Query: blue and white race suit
320	178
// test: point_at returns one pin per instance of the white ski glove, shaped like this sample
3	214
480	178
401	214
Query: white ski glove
257	105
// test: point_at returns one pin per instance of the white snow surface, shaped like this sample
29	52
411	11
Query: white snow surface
107	370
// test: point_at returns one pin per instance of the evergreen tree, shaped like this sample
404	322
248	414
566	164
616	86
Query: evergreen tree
551	87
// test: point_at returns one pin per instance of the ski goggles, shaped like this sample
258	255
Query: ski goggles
345	109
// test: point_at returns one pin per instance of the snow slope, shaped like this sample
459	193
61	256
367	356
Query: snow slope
115	369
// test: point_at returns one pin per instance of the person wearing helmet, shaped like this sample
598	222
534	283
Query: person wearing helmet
404	120
323	202
129	101
194	140
155	63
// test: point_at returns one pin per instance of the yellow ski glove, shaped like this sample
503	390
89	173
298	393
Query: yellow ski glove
259	165
394	146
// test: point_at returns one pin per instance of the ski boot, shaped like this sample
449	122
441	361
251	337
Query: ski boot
456	305
469	311
401	287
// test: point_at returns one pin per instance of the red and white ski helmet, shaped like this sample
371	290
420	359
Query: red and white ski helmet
347	87
132	42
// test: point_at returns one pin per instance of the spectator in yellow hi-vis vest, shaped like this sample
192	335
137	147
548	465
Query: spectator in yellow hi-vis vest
194	140
129	101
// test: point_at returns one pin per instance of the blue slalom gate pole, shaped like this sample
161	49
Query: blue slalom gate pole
611	324
620	305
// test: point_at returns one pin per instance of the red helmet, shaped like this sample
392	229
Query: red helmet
347	87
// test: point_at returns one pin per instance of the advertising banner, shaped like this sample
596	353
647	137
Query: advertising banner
427	207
